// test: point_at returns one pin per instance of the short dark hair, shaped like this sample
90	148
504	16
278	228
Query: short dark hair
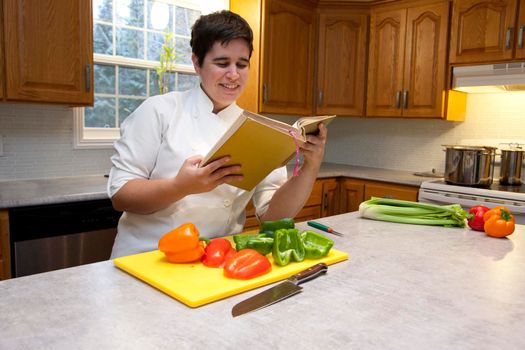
222	26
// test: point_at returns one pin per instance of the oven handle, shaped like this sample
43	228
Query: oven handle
467	201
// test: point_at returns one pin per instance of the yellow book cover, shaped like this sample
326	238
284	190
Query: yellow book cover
261	144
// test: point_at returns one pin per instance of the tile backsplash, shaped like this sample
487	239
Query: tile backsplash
38	140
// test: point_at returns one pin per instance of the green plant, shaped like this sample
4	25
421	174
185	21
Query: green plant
167	62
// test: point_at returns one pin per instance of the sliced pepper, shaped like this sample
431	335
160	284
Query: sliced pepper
269	227
287	246
216	252
258	242
246	264
182	244
316	245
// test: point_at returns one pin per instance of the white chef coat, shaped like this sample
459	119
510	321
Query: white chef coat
155	140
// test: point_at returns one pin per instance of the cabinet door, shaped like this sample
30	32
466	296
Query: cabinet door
49	51
385	70
330	197
341	72
482	30
520	35
403	192
5	250
288	63
351	195
425	60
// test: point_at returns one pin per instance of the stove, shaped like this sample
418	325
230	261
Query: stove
439	192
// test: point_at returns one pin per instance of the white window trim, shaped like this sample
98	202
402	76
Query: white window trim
103	138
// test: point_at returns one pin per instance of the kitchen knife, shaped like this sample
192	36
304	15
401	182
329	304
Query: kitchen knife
279	292
324	228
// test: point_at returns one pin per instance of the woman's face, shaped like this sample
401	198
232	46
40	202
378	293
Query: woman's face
224	72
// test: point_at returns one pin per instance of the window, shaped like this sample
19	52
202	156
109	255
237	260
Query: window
127	41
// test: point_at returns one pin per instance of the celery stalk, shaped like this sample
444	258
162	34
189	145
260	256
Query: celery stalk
408	212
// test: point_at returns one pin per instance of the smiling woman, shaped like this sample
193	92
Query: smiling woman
127	39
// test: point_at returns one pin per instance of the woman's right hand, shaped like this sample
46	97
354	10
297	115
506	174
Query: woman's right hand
194	179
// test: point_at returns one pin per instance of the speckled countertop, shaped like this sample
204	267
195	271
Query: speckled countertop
403	287
17	193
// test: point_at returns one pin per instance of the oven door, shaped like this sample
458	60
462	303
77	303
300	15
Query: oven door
467	201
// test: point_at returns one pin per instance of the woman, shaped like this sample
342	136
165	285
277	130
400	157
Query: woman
155	179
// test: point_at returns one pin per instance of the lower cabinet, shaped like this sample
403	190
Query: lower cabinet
5	256
338	195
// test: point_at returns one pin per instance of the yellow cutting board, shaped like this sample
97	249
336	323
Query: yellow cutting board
195	284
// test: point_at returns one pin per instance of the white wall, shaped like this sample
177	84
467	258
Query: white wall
38	140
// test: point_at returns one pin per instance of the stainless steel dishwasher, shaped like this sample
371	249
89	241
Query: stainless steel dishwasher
55	236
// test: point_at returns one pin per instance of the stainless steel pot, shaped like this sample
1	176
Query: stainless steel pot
511	163
469	165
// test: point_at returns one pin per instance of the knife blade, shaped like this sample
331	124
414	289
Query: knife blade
279	292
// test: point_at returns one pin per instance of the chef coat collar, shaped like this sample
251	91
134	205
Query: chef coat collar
204	106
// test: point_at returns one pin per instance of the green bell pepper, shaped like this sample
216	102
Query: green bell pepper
287	246
258	242
316	245
269	227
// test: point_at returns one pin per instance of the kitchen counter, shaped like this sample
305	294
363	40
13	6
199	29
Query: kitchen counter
403	287
17	193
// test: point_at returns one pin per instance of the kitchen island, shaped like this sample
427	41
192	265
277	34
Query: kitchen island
403	287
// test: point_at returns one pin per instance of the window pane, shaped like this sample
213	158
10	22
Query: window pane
103	39
103	10
130	12
126	107
169	79
132	81
184	19
104	79
182	51
159	15
130	43
102	115
155	41
187	81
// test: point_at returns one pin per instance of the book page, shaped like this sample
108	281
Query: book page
275	124
308	125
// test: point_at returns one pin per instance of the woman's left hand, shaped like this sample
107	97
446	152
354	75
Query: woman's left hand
313	149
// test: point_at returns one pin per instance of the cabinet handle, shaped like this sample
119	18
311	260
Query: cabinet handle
405	99
508	38
398	99
520	38
325	201
320	98
265	93
88	77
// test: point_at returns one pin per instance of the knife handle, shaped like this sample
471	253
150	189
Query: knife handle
310	273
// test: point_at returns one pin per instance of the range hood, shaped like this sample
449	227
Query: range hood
490	78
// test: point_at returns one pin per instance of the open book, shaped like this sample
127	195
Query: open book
261	144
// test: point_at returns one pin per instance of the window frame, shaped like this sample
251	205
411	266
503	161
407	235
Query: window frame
103	138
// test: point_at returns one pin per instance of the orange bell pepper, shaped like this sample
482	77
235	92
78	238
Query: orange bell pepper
499	222
182	245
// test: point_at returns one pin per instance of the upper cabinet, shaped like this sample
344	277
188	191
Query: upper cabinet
407	60
341	67
288	57
487	31
48	51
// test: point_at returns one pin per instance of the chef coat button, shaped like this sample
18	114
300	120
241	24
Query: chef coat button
227	202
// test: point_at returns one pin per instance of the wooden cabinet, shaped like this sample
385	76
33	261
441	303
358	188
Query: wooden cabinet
355	191
282	65
407	60
48	49
341	68
487	31
5	252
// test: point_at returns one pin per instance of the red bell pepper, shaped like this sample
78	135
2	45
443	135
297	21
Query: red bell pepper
475	218
245	264
216	252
